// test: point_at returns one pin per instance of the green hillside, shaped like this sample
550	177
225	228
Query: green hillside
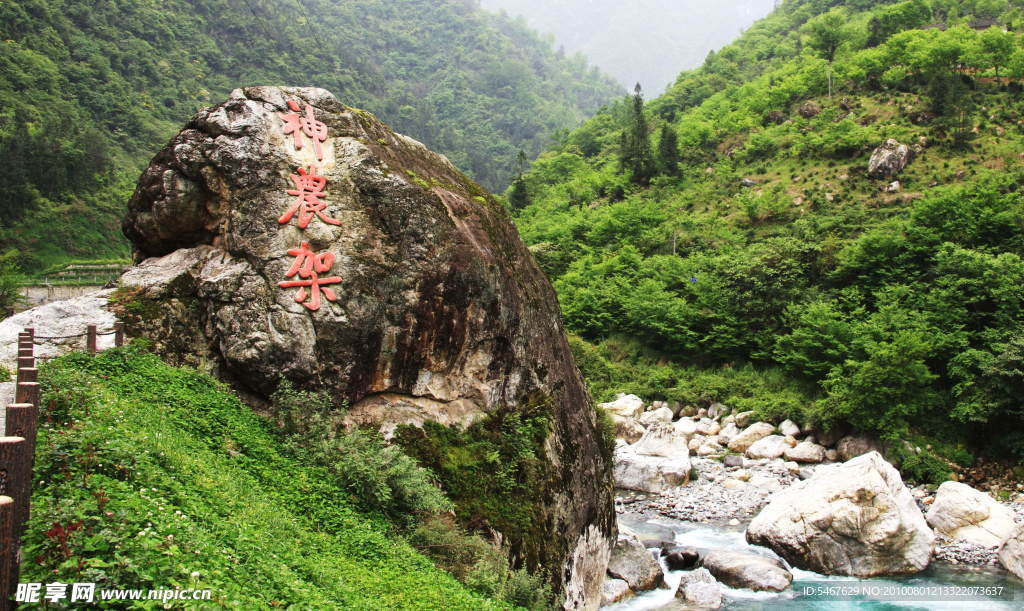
728	244
149	476
90	90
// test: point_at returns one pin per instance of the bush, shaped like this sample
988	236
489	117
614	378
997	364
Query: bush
380	476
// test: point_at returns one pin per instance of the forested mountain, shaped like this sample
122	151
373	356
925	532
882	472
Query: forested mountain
89	90
645	41
726	242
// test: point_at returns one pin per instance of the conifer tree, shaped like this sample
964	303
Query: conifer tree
635	146
668	151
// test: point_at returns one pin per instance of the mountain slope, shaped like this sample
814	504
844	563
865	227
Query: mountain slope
193	492
90	89
769	269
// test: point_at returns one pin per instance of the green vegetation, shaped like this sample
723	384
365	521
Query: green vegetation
773	273
151	476
90	90
498	458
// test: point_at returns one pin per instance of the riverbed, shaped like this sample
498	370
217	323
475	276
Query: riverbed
810	590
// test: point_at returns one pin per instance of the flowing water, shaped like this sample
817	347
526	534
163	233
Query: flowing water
706	536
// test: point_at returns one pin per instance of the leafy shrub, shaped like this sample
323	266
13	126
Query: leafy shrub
380	476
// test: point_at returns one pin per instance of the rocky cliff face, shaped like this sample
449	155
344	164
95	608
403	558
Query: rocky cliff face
284	234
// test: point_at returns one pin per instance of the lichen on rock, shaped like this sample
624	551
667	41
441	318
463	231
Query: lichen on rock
441	313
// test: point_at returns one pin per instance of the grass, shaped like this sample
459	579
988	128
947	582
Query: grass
151	476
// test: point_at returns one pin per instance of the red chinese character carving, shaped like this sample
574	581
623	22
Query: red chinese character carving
309	188
297	125
309	265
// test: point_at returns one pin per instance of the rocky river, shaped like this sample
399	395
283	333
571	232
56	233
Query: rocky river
697	489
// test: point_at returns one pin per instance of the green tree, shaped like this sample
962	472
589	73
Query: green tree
826	34
635	154
668	151
11	280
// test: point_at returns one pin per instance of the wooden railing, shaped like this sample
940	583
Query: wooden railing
17	452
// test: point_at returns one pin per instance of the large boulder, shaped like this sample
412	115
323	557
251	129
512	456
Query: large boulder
613	590
628	428
60	327
283	234
650	473
631	562
747	570
661	439
772	446
749	435
889	159
853	446
855	519
661	414
961	512
629	406
806	452
1011	554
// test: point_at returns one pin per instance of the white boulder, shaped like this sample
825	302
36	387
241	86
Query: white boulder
650	473
1011	554
805	452
754	432
856	519
661	439
961	512
661	414
630	406
772	446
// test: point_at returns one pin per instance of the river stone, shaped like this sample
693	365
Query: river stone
685	427
853	446
749	435
613	590
661	439
631	562
743	419
717	410
961	512
627	428
700	589
681	558
747	570
708	427
733	460
1011	554
661	414
790	428
441	311
805	452
650	473
772	446
709	447
629	406
855	519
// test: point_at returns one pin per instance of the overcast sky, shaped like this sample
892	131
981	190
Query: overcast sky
649	41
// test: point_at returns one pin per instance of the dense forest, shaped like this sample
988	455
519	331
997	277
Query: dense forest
90	90
726	242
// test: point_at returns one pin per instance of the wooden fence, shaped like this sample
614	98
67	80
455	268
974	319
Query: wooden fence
17	452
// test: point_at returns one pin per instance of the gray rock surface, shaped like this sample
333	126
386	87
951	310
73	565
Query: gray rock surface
631	562
650	473
772	446
439	307
961	512
855	519
59	319
699	588
749	435
853	446
889	159
1011	554
614	590
746	570
805	452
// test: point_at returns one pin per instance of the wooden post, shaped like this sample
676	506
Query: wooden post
31	332
26	362
8	554
27	374
27	392
16	478
25	352
23	421
90	340
118	334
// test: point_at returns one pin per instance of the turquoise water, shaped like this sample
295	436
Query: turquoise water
937	576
